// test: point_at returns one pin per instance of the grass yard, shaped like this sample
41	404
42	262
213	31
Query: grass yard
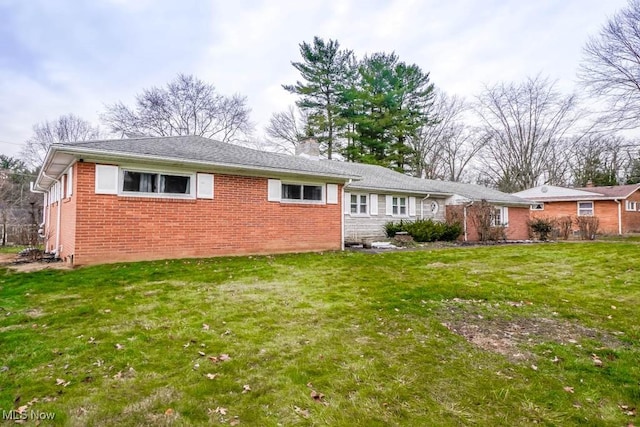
509	335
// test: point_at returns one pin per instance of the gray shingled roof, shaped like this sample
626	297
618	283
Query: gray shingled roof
204	150
383	179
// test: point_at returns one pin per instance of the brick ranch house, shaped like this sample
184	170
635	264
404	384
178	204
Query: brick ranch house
616	207
188	196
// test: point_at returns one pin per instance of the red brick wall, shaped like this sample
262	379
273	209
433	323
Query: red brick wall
239	220
605	210
66	240
631	220
517	228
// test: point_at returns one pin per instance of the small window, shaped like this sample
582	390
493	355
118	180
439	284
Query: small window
585	208
631	206
537	207
300	192
145	182
399	205
496	218
358	204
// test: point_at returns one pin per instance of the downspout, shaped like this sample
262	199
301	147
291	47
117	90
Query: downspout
342	216
422	205
464	210
619	216
57	251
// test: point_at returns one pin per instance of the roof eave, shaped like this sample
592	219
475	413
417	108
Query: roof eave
105	155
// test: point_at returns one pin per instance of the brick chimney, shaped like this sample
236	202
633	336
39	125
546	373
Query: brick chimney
309	149
589	184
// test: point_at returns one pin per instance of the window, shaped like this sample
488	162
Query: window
302	192
631	206
585	208
537	207
500	216
146	182
358	204
399	206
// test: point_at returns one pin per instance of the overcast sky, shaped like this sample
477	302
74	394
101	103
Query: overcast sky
64	56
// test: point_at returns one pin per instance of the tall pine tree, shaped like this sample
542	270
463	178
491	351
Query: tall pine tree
324	68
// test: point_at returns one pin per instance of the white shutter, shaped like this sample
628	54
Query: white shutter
204	182
389	205
106	179
332	194
274	193
346	203
63	187
505	215
373	204
412	206
70	181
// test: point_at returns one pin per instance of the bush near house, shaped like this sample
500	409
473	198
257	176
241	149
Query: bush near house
588	226
425	230
541	228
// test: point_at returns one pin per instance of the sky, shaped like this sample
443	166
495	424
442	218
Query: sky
65	56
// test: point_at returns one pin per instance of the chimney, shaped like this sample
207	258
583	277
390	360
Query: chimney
309	149
589	184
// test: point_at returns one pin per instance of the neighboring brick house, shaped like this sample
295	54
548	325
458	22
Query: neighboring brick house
616	207
157	198
382	195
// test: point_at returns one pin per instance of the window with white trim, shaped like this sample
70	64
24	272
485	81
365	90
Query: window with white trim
302	192
358	204
631	205
500	216
585	208
399	205
156	183
537	207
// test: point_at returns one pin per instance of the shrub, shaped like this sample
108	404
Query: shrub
391	228
541	228
588	226
563	225
425	230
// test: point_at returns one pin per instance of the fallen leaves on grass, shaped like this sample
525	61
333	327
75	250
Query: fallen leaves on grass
568	389
119	347
205	327
212	376
246	388
628	410
234	421
596	360
318	397
304	413
63	383
220	410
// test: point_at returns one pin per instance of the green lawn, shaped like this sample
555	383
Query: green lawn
507	335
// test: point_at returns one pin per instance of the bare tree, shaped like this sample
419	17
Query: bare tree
601	160
446	146
187	106
67	128
526	132
611	67
287	128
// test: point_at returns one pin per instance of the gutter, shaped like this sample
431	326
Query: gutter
619	216
118	156
342	231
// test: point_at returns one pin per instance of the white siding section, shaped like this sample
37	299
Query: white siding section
106	179
332	194
274	193
205	186
412	206
373	204
70	181
346	203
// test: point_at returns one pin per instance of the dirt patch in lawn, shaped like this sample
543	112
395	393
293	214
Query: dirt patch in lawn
483	325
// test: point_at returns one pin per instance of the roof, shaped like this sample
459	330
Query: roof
183	150
551	193
373	177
